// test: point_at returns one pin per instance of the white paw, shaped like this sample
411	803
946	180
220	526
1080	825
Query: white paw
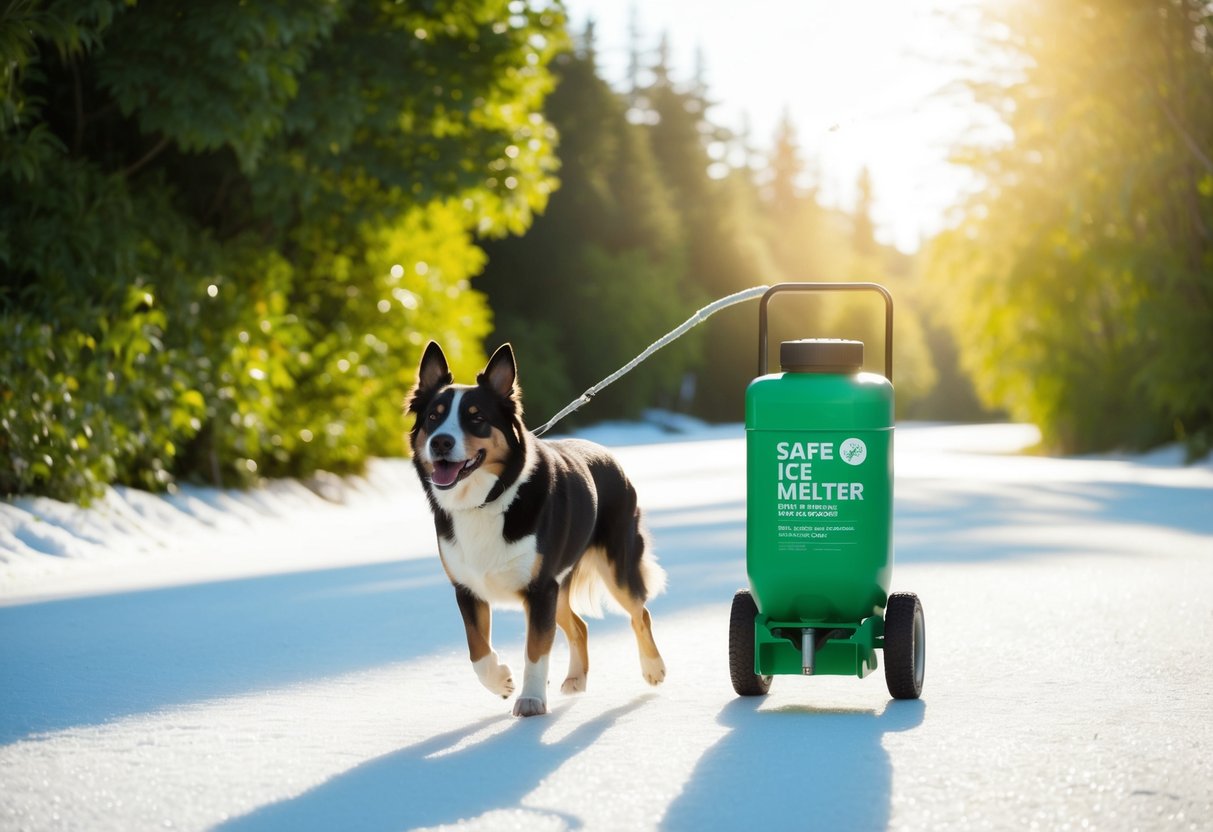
529	706
573	684
495	676
653	670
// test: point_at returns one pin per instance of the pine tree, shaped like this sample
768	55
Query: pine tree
601	274
863	228
784	192
725	252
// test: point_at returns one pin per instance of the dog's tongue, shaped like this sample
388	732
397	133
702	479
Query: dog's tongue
445	473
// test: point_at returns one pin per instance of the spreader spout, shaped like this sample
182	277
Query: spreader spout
807	638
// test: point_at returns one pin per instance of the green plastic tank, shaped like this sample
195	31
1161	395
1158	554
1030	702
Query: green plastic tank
819	470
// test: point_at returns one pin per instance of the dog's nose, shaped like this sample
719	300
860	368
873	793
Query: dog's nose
441	444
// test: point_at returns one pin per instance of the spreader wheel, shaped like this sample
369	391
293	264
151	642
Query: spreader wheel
905	645
741	647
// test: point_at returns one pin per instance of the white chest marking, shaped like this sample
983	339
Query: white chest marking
481	559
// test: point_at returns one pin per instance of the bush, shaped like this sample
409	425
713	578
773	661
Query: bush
221	261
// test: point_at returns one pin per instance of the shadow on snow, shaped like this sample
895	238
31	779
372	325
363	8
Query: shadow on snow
441	780
794	768
85	661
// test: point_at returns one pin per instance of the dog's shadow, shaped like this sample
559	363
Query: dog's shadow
442	780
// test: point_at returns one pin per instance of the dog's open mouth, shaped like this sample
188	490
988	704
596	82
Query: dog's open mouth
447	472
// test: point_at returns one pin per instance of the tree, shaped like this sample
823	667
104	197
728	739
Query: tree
863	228
784	191
810	242
217	261
1082	275
806	240
725	250
601	274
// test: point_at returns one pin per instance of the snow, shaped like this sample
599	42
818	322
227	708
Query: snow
274	660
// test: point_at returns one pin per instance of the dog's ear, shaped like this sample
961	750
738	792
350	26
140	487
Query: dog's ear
431	374
433	371
501	373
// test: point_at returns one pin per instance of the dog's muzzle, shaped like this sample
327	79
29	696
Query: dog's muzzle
447	473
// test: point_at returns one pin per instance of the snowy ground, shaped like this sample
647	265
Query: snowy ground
274	661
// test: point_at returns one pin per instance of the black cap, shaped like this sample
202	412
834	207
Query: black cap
821	355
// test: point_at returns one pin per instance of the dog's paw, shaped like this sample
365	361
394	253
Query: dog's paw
495	676
653	670
530	706
574	684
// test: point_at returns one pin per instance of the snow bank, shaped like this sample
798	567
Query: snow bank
131	538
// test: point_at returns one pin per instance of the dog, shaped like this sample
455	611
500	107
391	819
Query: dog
548	524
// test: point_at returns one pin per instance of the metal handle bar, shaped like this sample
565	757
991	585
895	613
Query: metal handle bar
827	287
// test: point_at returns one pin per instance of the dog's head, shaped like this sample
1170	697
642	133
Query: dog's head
468	441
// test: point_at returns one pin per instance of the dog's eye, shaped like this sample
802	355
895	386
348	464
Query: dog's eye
433	417
475	418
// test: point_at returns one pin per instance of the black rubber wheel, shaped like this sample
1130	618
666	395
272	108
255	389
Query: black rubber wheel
905	645
741	647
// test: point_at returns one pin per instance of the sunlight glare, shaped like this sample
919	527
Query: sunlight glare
865	85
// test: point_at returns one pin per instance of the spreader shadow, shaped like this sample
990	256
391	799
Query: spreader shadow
794	768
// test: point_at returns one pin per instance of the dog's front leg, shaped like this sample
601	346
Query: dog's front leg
539	599
478	621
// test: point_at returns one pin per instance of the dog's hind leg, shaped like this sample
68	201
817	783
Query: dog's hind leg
652	667
477	621
577	633
540	599
632	576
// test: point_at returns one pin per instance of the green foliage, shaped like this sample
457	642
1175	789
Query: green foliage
270	43
1081	278
601	274
724	248
649	224
220	261
82	410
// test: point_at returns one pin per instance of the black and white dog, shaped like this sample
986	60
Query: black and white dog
549	524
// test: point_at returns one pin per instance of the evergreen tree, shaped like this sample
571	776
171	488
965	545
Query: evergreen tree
725	252
864	229
810	242
784	192
601	274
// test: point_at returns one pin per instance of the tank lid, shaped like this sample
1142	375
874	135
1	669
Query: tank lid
821	355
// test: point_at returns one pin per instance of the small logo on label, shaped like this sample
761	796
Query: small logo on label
853	451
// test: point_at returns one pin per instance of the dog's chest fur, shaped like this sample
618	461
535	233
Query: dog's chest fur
481	559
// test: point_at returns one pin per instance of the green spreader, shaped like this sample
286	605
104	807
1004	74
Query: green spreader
819	518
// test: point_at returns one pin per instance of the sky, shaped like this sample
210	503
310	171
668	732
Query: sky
866	84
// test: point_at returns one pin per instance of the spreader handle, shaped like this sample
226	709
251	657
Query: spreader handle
827	287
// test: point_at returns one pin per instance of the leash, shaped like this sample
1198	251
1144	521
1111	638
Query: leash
673	335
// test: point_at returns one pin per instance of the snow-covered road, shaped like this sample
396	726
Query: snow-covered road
276	662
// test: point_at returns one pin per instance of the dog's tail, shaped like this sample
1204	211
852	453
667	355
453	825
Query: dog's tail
651	572
597	578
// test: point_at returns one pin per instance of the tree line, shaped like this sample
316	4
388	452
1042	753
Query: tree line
661	210
220	261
